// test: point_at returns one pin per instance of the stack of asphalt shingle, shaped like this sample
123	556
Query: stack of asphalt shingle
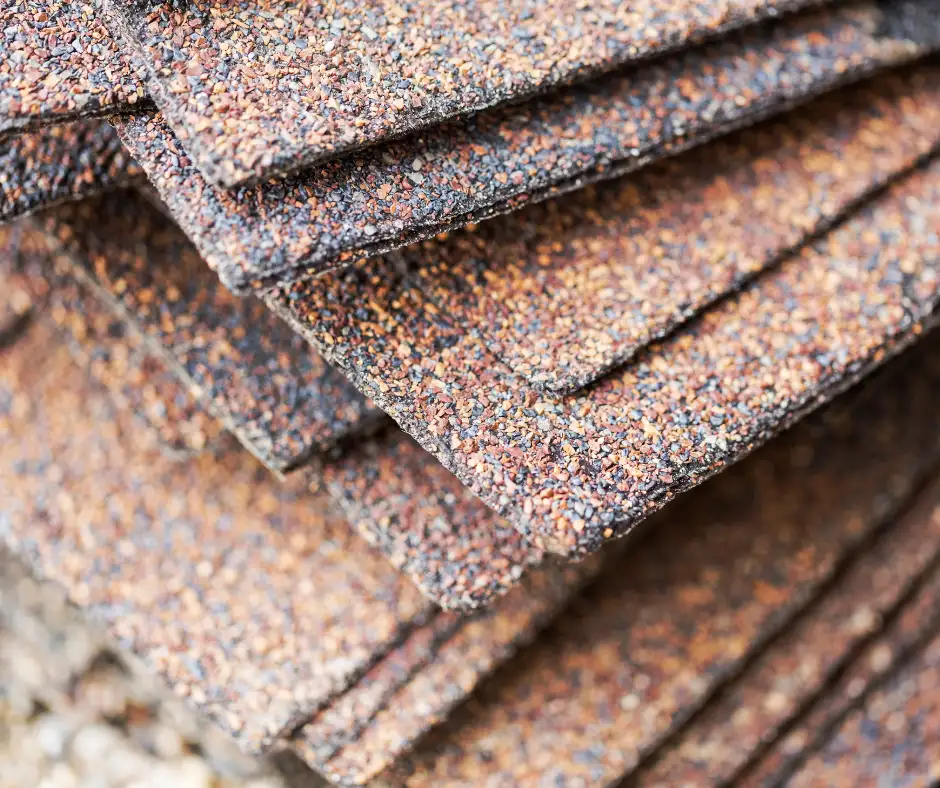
585	256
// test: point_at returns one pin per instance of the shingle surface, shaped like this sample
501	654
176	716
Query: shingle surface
893	740
59	62
32	280
906	633
576	471
384	715
69	162
456	173
266	385
244	595
457	550
801	666
118	358
260	88
565	291
17	297
725	568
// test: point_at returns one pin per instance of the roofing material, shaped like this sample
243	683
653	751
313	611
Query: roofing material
563	292
118	359
236	589
702	339
459	552
283	401
453	174
16	297
70	162
575	472
895	734
726	569
244	595
905	634
255	90
58	62
798	670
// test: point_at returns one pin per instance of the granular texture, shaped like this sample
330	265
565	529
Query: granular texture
118	358
418	687
259	88
34	280
249	600
894	739
567	290
58	62
17	297
260	378
799	668
452	174
283	401
246	596
724	570
574	472
69	162
457	550
903	636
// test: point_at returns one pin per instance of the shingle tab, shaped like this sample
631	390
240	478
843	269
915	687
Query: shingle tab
904	634
456	173
800	667
245	595
281	399
238	591
58	62
565	291
113	354
574	472
724	570
42	168
384	715
893	740
254	89
457	550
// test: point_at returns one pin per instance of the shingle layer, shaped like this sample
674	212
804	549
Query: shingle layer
60	163
265	384
238	358
748	197
904	634
237	590
458	551
59	62
565	291
798	670
418	686
895	737
103	344
724	570
452	174
576	471
244	595
257	89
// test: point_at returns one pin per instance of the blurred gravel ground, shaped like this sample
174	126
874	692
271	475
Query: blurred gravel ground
76	712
